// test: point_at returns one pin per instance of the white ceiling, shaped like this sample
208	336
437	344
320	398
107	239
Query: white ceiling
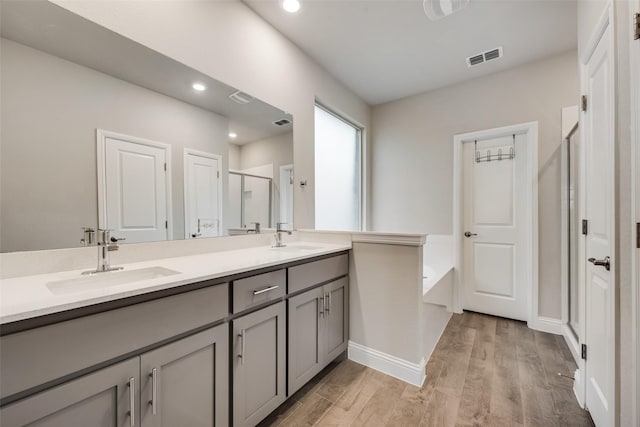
388	49
52	29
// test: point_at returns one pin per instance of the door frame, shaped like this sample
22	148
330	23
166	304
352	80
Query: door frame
283	168
634	55
604	24
530	129
101	142
216	157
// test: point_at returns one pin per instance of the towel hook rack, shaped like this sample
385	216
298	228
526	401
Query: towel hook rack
489	156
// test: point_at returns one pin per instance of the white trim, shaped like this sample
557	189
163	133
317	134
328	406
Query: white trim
548	325
216	157
390	238
412	373
596	34
531	130
101	136
634	7
572	342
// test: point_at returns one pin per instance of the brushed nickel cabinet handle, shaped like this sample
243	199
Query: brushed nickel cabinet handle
241	355
321	305
132	401
327	303
267	289
154	391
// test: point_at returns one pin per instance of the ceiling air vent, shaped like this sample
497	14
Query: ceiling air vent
484	56
282	122
241	97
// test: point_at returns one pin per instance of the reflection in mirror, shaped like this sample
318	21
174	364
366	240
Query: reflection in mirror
101	132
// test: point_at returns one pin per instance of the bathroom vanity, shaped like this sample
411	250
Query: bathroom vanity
223	345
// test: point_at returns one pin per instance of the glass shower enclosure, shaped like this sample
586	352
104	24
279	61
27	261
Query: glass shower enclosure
250	200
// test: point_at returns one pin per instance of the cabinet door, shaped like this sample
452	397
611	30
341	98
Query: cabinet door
185	383
102	398
336	318
259	364
306	313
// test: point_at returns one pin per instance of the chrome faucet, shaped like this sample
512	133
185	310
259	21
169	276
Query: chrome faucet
278	235
106	244
254	230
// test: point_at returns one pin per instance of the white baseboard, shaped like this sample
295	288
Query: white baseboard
412	373
547	324
572	343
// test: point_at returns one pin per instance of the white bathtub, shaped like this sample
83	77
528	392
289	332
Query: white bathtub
438	262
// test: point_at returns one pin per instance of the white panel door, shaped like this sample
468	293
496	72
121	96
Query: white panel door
599	211
136	190
496	249
202	196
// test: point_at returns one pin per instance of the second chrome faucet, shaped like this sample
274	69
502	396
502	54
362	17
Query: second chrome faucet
106	243
278	235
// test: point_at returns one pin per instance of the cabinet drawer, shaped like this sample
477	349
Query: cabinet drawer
259	289
36	356
310	274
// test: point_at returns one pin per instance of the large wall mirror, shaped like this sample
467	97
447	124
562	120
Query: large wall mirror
101	132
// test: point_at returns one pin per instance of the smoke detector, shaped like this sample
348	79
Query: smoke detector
438	9
241	97
480	58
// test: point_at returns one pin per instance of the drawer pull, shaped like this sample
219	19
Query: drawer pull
241	355
132	401
154	391
262	291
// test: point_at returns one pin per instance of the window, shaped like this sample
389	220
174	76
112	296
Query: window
338	180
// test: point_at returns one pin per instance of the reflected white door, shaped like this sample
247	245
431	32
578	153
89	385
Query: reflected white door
286	195
134	198
202	195
599	241
497	249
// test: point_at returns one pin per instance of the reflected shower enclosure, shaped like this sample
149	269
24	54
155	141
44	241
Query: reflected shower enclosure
250	200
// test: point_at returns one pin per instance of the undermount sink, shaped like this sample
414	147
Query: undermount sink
107	279
296	248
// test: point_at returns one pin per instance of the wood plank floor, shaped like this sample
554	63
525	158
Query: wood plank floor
485	371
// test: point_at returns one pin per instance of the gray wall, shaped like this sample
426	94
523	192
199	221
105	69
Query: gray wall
412	147
48	166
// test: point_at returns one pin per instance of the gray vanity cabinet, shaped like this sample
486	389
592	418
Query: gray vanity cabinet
336	318
185	383
102	398
306	355
318	330
259	363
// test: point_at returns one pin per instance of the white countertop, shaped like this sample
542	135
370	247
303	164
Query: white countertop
28	297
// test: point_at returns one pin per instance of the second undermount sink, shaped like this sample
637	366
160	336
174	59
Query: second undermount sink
108	279
296	248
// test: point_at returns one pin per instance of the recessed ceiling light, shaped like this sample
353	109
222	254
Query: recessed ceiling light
291	6
233	135
199	87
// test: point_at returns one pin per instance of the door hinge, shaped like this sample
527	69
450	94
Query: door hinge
584	102
218	174
585	227
636	26
584	351
637	235
165	167
166	224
